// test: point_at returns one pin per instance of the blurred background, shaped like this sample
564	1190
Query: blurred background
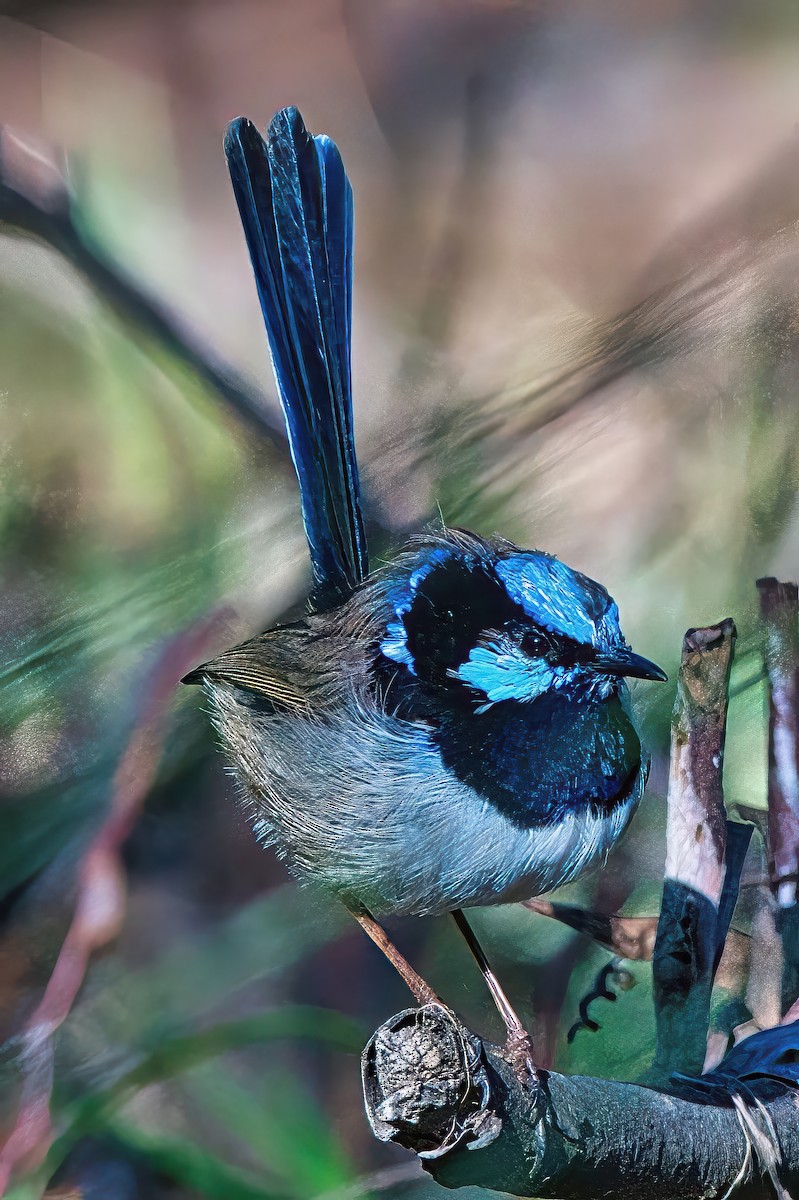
577	240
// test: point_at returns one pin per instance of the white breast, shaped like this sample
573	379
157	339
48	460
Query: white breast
366	808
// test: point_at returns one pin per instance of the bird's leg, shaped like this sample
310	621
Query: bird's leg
518	1044
421	991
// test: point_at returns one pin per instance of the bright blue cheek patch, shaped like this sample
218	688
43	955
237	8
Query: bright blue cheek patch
505	673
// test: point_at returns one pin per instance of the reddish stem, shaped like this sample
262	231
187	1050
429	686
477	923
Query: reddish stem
100	903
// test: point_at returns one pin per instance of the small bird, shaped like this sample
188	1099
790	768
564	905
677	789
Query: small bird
453	729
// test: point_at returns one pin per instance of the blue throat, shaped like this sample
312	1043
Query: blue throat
535	761
539	761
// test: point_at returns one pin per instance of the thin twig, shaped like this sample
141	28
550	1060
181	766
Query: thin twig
612	972
628	937
690	935
51	218
49	215
779	609
100	901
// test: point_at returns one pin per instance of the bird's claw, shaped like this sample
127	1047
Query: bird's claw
518	1052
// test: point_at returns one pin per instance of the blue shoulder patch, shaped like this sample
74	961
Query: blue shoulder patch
395	643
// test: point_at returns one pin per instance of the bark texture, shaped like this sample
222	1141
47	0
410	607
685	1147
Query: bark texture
779	609
576	1137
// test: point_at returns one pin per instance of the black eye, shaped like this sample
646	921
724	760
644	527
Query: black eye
534	644
579	653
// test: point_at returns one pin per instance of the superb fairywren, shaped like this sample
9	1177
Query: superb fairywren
453	729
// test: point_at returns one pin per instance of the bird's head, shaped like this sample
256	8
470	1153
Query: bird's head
483	622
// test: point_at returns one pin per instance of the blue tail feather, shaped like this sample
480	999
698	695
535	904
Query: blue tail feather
295	204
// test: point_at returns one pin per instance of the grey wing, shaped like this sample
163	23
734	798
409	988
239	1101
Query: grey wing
295	668
304	748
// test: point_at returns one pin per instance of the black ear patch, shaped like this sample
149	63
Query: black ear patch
453	604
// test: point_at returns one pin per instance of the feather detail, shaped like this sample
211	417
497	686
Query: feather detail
295	204
242	669
272	666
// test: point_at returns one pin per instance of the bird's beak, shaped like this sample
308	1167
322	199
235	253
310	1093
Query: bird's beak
626	663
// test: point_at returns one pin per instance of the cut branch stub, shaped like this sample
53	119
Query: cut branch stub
690	936
696	833
779	609
425	1083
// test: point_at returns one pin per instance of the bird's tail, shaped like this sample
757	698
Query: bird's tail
295	204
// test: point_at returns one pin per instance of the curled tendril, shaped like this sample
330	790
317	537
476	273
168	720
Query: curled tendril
612	972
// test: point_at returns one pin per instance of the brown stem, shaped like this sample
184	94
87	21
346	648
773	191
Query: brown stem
689	938
100	902
779	609
628	937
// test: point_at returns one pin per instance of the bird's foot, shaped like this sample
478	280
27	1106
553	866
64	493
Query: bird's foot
518	1052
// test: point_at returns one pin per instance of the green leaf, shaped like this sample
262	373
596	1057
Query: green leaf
267	937
93	1112
280	1123
309	1023
192	1166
